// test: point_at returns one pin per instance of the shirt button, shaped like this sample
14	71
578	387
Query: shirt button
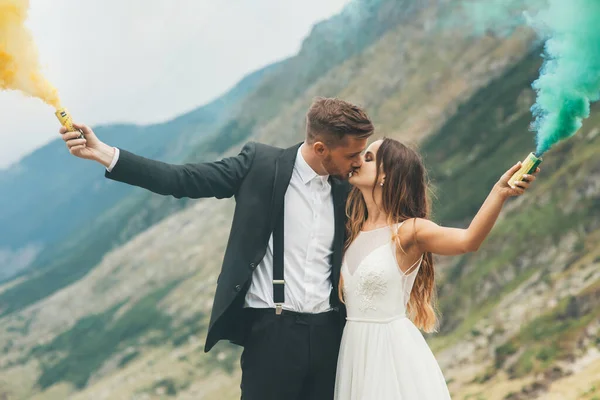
238	288
252	266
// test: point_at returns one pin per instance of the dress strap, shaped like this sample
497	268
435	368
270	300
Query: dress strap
415	266
397	225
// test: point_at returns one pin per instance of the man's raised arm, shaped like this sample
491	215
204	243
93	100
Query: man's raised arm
218	179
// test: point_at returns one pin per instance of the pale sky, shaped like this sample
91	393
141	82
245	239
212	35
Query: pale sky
145	61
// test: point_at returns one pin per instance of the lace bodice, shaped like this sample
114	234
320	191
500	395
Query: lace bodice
375	289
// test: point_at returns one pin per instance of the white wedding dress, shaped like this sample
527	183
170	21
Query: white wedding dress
383	356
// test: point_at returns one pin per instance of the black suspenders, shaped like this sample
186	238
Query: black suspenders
278	281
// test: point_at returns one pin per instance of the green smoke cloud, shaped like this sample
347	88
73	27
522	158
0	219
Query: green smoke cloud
498	16
570	76
481	17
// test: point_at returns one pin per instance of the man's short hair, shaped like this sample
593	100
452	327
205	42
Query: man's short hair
330	120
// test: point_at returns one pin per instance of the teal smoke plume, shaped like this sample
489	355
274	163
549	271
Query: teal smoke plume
570	76
500	17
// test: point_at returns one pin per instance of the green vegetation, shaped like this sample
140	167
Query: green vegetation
73	258
75	354
471	151
168	385
552	336
487	134
485	137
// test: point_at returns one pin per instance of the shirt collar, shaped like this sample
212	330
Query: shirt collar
306	172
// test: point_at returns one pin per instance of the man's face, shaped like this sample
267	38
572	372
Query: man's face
345	158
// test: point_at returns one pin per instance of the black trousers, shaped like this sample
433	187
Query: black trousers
291	356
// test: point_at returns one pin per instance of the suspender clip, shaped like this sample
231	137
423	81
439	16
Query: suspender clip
278	306
278	281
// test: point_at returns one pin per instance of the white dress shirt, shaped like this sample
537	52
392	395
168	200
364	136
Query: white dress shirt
308	244
114	160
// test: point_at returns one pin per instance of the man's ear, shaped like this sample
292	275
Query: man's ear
320	149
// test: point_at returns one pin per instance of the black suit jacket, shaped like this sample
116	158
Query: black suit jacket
258	177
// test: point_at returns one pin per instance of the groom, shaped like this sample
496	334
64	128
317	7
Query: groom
277	291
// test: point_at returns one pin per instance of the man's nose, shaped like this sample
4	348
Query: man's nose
357	163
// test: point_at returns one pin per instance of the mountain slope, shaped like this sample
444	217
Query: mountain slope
68	193
226	122
529	297
519	318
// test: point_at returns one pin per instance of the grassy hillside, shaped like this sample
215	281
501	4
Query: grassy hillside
120	310
117	213
52	195
542	254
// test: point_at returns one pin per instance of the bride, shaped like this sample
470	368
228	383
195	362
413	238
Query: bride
387	278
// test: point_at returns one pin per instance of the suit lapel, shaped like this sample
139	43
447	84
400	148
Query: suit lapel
284	167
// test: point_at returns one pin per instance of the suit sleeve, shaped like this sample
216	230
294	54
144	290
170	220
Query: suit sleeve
220	179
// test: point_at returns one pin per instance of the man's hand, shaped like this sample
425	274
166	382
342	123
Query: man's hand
89	148
504	189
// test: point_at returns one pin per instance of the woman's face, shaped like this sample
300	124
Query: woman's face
364	177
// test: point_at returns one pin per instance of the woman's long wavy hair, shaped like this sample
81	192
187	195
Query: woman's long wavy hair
404	197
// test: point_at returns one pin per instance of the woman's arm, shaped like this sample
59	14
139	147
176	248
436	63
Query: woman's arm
430	237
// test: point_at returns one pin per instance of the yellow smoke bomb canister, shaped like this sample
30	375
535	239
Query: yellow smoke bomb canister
65	120
528	166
